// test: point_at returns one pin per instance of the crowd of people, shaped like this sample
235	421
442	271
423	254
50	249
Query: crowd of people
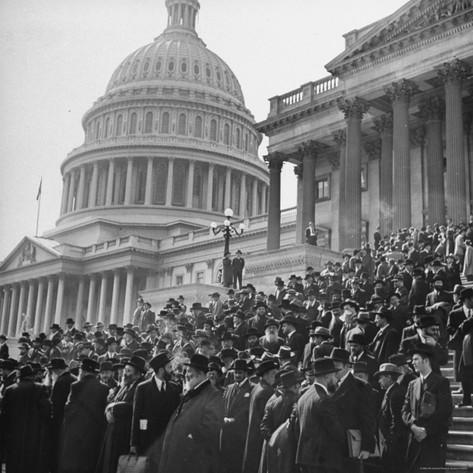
327	372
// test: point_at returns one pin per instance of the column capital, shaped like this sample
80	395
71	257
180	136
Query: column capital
432	108
298	170
311	148
383	123
210	263
275	161
401	90
353	108
417	136
455	70
189	267
334	160
340	137
373	149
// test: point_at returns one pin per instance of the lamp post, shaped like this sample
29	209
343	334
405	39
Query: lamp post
228	229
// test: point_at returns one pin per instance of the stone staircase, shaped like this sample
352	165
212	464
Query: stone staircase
460	436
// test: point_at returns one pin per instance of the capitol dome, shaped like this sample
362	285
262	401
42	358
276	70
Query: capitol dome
169	145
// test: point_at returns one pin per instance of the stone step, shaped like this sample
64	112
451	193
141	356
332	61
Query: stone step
460	452
457	466
447	372
462	424
463	412
460	437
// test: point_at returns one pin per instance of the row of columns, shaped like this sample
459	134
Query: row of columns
395	162
74	185
42	302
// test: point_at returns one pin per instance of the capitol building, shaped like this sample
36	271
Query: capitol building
384	141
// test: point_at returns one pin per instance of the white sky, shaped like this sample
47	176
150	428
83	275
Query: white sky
56	57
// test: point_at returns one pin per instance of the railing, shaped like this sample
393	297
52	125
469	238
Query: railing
306	94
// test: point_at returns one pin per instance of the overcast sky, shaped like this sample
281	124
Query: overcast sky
56	57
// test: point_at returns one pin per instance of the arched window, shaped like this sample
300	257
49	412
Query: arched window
213	130
226	134
165	123
198	127
107	127
119	125
97	130
238	138
181	128
132	129
149	122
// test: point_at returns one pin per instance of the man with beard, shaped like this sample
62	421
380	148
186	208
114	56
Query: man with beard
62	380
153	404
252	338
119	414
296	341
354	402
259	397
320	435
84	422
236	400
258	322
271	341
191	439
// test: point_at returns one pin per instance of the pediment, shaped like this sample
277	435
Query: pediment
410	23
30	251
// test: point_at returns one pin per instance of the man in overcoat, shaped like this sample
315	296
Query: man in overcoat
84	421
191	440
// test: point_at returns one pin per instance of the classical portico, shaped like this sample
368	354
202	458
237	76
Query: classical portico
392	124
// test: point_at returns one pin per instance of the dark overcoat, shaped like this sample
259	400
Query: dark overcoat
25	419
385	344
236	401
191	439
84	426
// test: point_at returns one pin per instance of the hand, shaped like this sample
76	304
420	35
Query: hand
228	420
133	450
419	433
364	455
109	416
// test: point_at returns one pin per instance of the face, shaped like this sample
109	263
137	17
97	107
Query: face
394	301
239	375
253	340
385	381
438	285
286	329
129	374
271	330
193	377
106	376
261	311
270	377
362	376
420	364
379	321
355	349
213	377
331	382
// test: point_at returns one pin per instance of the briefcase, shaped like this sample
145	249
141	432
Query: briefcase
133	464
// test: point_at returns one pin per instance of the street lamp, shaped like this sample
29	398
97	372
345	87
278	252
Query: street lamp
228	229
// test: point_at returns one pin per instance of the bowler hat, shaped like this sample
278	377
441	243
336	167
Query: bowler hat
428	321
388	368
266	366
357	338
57	364
239	365
398	359
137	362
89	365
196	306
324	366
422	349
322	332
288	379
363	317
70	321
466	293
106	366
252	332
289	319
199	362
339	354
26	372
228	353
160	361
214	294
350	303
271	323
55	327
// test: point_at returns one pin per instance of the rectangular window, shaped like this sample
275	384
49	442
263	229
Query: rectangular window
364	177
179	280
160	178
199	277
322	188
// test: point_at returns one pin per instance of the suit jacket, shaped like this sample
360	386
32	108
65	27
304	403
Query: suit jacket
434	297
59	395
385	343
237	265
440	353
356	408
154	406
148	317
371	362
279	295
4	353
296	341
318	429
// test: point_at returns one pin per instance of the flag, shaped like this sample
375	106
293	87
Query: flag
38	195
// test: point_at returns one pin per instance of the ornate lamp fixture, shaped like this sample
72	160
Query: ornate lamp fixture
227	229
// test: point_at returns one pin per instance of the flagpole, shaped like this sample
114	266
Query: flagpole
38	198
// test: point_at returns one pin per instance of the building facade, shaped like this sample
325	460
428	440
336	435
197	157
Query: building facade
385	140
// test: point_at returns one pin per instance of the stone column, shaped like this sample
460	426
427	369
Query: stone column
30	304
228	188
210	185
400	93
190	185
453	74
65	190
264	198
13	311
308	150
103	298
384	127
6	301
80	191
93	185
39	307
21	307
254	200
59	299
298	171
110	179
350	234
275	163
149	182
170	181
340	137
128	296
49	305
91	300
243	196
70	196
80	303
432	110
115	296
128	182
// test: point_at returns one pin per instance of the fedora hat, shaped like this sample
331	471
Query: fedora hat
89	365
160	361
363	317
360	367
388	368
239	365
137	362
271	323
322	332
288	379
324	366
350	303
339	354
57	364
266	366
357	338
428	321
199	362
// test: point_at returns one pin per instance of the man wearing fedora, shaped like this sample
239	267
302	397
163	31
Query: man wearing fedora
266	372
293	339
238	263
118	414
61	379
84	421
148	317
358	352
236	400
271	341
386	340
191	439
392	429
427	412
319	433
154	401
